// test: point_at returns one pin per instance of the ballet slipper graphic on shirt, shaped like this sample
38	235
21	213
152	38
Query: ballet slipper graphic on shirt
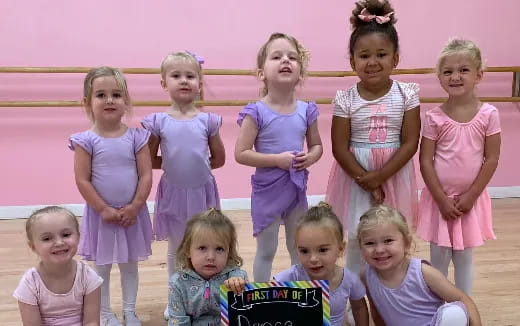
372	131
381	130
378	123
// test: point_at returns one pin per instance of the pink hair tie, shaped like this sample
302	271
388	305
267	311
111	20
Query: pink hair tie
366	16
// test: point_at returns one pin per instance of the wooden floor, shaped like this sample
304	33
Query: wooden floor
496	289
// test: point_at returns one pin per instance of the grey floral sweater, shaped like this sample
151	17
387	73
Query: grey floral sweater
194	301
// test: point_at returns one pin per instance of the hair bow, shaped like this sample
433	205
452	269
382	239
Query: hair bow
366	16
197	57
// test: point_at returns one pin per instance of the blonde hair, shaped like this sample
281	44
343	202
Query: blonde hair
211	220
303	56
183	56
322	215
29	224
103	72
464	47
381	215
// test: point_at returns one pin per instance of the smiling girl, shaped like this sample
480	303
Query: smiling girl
404	290
319	241
59	291
460	149
375	128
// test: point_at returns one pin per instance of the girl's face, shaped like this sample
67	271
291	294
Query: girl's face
373	59
459	75
384	247
208	254
281	67
108	102
54	238
318	251
182	81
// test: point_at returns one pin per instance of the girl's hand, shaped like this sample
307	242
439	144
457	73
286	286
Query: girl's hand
302	161
464	203
370	180
284	160
378	196
449	209
128	215
235	284
110	215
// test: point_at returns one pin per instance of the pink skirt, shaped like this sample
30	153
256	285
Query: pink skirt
350	201
471	230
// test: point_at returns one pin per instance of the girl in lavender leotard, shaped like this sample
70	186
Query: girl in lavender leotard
403	290
320	243
190	147
114	174
277	127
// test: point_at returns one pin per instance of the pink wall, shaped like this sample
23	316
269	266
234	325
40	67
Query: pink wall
36	166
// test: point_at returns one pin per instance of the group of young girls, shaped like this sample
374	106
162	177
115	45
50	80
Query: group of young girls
375	133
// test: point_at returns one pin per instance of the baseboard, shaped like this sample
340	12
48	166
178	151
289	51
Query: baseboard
504	192
13	212
245	203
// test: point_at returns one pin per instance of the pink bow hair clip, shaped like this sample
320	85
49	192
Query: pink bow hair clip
197	57
366	16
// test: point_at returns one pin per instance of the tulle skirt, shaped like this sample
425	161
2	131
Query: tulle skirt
350	201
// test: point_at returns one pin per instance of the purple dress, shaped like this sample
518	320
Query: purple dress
411	303
277	192
350	287
114	176
187	186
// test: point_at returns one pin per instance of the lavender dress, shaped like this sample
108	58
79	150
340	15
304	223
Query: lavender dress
187	186
114	176
277	192
350	287
411	303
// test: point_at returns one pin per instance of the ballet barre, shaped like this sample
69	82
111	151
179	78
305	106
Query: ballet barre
514	98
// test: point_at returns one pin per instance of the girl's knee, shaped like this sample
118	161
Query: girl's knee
452	314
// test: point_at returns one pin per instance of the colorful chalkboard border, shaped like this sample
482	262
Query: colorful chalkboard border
324	285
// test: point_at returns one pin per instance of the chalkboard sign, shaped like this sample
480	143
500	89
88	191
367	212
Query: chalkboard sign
277	304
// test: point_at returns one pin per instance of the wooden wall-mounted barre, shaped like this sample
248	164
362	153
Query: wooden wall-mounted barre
228	72
238	72
225	102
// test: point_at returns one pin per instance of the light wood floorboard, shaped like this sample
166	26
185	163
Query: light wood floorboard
496	289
